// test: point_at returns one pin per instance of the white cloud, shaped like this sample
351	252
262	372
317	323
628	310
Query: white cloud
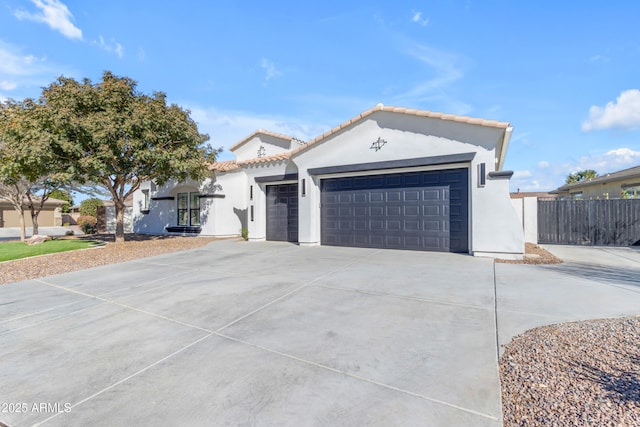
55	14
418	19
7	85
228	127
141	55
599	58
551	175
112	47
522	174
623	113
445	70
271	71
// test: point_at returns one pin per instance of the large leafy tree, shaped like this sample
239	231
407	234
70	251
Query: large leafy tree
580	176
113	136
29	167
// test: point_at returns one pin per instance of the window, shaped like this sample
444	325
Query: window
251	192
145	200
631	192
189	209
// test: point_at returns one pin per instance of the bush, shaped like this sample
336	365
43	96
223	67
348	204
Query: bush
89	207
245	233
88	224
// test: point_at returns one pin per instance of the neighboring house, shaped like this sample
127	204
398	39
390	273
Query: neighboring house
106	216
537	194
615	185
50	215
388	178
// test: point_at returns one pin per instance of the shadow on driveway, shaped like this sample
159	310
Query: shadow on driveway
600	273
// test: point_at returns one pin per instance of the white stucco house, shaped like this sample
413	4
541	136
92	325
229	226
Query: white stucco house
395	178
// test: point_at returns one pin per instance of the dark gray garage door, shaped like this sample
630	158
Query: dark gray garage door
416	210
282	212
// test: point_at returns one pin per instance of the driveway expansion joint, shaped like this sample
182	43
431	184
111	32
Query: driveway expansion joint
359	377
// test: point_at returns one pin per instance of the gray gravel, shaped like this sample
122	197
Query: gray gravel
573	374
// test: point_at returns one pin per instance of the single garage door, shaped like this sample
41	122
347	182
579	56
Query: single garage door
416	210
282	212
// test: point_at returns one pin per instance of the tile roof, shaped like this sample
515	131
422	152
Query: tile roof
260	132
402	110
227	166
633	172
232	164
267	159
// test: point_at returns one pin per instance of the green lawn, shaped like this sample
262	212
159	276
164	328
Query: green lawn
16	250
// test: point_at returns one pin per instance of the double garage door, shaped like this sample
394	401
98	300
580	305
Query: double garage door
418	210
425	210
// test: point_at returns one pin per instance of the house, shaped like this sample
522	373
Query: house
390	177
615	185
106	216
50	215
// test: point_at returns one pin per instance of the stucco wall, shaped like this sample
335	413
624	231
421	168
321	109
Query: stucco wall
527	210
495	229
271	144
601	191
257	228
219	216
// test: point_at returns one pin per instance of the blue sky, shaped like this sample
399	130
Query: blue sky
565	77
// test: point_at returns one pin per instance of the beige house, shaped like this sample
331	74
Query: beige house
615	185
50	216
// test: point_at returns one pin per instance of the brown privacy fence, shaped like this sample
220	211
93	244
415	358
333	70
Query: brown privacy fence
614	222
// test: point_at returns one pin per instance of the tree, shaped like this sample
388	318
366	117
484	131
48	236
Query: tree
62	194
580	176
89	207
113	136
29	168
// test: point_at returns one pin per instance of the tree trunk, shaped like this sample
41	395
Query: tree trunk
120	207
34	221
22	226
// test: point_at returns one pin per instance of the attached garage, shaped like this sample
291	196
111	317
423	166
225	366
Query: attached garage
426	210
282	212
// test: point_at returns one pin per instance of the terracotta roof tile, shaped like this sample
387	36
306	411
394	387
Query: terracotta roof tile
266	159
402	110
227	166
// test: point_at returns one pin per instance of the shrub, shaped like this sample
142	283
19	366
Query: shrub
245	233
88	224
89	207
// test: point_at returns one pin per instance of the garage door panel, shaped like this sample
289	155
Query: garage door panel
376	211
411	226
411	211
360	197
403	211
394	210
412	196
433	210
394	196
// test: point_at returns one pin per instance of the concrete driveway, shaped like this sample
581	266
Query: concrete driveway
275	334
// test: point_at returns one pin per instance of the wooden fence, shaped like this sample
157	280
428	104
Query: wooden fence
614	222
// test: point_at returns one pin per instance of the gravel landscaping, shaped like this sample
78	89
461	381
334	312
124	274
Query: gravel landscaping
136	246
573	374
